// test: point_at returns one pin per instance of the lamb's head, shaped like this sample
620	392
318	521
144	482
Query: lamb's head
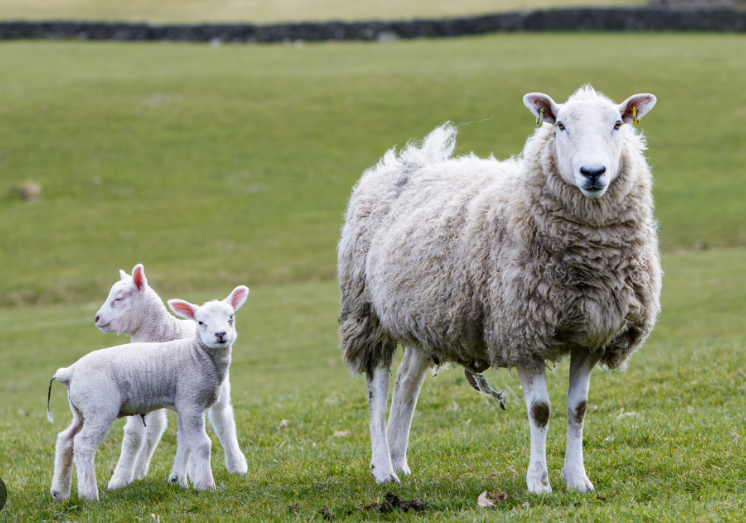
215	319
119	313
589	130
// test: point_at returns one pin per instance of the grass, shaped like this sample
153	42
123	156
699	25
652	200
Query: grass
195	11
219	166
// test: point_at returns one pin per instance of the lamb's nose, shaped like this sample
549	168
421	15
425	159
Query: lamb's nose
592	173
220	335
98	317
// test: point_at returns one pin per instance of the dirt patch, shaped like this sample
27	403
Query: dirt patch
392	502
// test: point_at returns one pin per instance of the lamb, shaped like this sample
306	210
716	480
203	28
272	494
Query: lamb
134	309
513	263
184	375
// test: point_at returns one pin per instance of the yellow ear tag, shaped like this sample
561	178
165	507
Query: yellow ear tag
540	119
634	115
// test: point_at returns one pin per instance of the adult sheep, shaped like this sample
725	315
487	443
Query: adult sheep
514	263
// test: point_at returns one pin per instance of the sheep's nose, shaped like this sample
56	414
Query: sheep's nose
98	317
220	335
592	173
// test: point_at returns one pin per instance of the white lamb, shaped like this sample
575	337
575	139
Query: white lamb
134	309
130	380
503	264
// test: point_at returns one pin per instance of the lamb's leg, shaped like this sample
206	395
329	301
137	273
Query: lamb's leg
221	419
409	379
193	427
134	434
63	459
86	443
179	472
378	395
155	425
534	383
581	365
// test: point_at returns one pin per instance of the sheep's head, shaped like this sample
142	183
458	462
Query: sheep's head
117	314
589	130
216	326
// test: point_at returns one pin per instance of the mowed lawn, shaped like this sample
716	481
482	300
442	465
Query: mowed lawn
255	11
220	166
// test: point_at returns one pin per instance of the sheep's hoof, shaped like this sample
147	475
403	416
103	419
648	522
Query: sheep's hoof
176	480
116	483
237	465
387	478
539	484
206	485
402	469
577	482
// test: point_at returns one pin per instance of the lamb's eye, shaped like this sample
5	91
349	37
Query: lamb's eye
561	126
618	125
201	323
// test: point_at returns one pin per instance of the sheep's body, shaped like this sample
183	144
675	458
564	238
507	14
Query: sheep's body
489	263
140	314
132	380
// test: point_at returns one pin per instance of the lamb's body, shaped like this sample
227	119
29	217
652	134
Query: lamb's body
133	308
488	263
135	379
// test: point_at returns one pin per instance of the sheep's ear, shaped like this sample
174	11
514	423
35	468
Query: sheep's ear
537	101
138	277
183	308
237	297
123	275
643	103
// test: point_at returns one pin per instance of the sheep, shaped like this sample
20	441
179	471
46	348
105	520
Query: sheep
184	375
515	263
134	309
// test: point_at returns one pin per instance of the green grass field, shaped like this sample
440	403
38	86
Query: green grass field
195	11
220	166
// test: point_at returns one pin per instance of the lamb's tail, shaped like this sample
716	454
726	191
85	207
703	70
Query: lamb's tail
63	375
435	147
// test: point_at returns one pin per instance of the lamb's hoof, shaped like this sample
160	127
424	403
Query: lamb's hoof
205	485
58	495
115	483
577	482
237	465
176	480
385	477
88	496
402	469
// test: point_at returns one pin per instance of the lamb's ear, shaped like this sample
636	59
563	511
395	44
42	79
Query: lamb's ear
237	297
123	275
138	277
643	102
183	308
537	101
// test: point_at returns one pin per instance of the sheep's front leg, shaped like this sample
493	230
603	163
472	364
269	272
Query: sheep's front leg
378	395
409	379
581	365
63	460
179	471
534	383
155	425
193	427
221	419
134	434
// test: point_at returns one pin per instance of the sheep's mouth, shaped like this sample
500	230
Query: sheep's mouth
104	326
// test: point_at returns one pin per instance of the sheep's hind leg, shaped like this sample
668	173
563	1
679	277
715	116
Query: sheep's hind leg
155	425
582	363
378	395
134	434
534	383
221	419
86	443
409	379
63	459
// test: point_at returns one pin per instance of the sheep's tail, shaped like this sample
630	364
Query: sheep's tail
63	376
435	147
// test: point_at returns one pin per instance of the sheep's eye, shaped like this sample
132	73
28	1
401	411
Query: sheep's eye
201	323
618	125
118	299
561	126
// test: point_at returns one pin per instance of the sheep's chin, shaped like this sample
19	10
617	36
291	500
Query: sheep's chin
597	193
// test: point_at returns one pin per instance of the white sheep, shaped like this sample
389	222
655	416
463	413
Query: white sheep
130	380
134	309
512	263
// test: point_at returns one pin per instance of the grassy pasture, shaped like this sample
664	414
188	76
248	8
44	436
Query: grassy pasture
255	11
218	166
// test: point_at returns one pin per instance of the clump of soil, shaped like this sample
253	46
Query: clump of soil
392	502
